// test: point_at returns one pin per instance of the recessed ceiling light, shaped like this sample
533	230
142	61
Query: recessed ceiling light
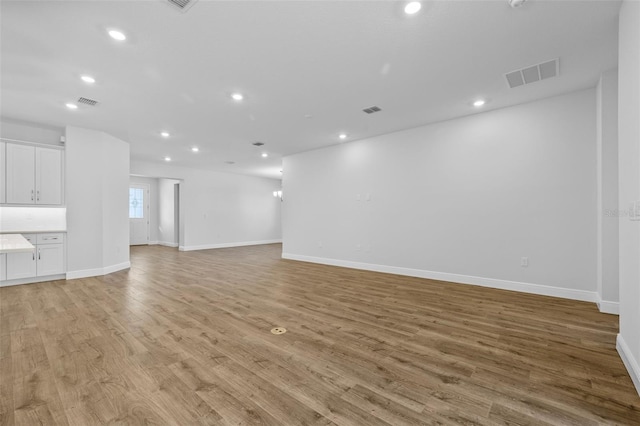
342	136
412	7
265	155
195	149
71	106
479	103
88	79
165	134
167	158
117	35
237	96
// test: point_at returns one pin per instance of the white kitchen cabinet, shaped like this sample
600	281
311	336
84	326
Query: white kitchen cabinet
47	258
21	174
3	266
3	175
33	175
50	259
21	265
48	176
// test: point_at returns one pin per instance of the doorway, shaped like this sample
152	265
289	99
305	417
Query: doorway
139	214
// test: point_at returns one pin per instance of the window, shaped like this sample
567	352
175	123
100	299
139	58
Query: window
136	203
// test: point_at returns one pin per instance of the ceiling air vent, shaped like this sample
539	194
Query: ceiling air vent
257	143
182	5
372	109
533	73
87	101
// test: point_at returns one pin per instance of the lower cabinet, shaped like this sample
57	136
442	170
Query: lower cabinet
21	265
3	266
47	258
50	260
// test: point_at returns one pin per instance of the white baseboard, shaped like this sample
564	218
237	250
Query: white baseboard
84	273
167	244
544	290
32	280
629	361
152	243
607	307
228	245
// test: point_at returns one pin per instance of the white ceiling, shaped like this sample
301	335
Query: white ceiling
327	59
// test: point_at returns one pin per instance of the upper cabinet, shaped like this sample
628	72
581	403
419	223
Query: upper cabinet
33	175
48	176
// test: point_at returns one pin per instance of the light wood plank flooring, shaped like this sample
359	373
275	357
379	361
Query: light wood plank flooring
184	339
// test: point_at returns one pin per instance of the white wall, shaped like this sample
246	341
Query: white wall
115	204
153	205
29	132
167	220
461	200
97	182
221	209
629	185
607	194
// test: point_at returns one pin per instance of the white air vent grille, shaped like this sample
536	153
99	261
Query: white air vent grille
533	73
372	109
87	101
257	143
182	5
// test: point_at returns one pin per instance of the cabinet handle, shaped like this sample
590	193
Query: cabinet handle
33	255
38	254
38	196
32	195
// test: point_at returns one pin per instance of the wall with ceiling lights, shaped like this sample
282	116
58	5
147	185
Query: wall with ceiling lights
221	209
628	342
505	198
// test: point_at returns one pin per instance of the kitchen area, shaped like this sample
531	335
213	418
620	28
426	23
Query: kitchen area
33	222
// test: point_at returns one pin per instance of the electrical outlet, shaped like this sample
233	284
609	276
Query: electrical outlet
357	197
368	196
319	244
358	247
367	247
524	262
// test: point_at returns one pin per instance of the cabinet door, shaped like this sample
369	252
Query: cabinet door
3	177
3	266
21	265
21	174
48	176
50	259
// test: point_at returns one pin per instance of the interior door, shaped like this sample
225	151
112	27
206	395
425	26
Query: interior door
138	214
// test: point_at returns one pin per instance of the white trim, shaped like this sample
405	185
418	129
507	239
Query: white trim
84	273
565	293
166	244
32	280
629	361
152	243
227	245
115	268
607	307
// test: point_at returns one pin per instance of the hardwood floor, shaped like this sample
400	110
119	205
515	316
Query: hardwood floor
184	338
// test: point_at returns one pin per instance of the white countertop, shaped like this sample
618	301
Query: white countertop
14	243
